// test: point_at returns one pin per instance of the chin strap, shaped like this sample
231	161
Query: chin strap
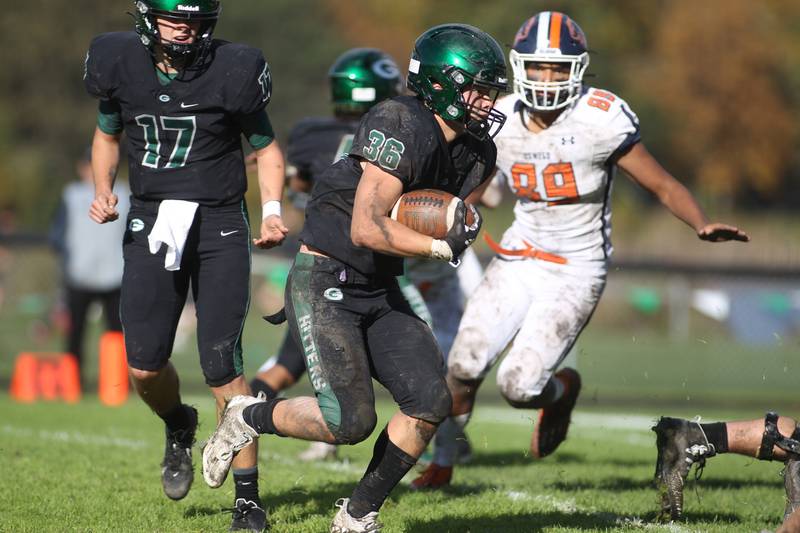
772	437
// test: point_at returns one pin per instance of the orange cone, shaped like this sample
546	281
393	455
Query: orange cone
113	376
23	382
48	379
69	378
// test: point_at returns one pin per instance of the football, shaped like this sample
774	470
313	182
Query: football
428	211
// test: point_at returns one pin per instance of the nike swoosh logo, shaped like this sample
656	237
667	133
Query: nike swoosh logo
187	106
226	233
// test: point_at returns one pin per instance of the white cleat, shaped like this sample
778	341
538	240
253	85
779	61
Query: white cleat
232	434
343	522
318	451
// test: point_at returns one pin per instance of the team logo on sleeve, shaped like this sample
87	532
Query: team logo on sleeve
136	225
265	82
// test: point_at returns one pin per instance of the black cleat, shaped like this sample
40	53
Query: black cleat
248	516
177	472
681	443
791	480
554	419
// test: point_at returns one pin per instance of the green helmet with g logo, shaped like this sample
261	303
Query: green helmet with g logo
362	77
204	11
451	58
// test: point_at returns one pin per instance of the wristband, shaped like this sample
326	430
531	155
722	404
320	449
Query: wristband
270	207
441	250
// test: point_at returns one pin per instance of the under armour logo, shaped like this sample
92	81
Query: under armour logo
567	140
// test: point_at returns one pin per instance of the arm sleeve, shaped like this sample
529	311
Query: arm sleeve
109	117
257	128
387	138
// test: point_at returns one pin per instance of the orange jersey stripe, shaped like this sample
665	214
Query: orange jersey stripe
555	30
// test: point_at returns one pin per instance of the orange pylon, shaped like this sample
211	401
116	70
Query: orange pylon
69	378
23	383
112	386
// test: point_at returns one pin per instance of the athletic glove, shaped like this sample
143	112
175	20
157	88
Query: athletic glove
460	236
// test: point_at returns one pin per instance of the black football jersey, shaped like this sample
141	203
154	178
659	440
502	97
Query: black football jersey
184	139
315	143
401	136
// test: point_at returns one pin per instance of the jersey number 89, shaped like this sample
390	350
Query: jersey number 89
558	180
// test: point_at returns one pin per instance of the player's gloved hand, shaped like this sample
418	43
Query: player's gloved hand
460	236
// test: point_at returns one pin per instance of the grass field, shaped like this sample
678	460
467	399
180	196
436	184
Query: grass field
91	468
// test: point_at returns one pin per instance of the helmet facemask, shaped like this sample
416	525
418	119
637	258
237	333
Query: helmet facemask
479	122
444	95
180	55
548	95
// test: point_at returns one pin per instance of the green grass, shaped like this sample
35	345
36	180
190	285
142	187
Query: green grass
91	468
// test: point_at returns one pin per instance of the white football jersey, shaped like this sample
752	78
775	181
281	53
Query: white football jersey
562	175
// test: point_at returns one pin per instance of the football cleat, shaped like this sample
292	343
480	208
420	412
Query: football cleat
248	516
681	444
344	522
177	471
554	419
791	480
434	477
232	434
318	451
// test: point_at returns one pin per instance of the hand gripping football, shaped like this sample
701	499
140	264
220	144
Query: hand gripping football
428	211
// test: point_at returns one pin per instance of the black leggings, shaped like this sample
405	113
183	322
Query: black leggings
353	328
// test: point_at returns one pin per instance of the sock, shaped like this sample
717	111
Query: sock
446	439
259	417
257	385
717	434
552	392
177	418
246	481
388	466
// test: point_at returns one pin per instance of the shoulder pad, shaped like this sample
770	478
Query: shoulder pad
247	77
106	52
598	106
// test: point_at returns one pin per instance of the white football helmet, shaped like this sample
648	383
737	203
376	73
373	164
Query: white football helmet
549	37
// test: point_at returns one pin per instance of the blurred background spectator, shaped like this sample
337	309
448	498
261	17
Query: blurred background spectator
91	255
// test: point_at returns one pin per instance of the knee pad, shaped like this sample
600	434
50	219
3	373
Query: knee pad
355	425
772	437
468	360
520	385
432	404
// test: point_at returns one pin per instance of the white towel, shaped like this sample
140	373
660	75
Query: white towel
175	217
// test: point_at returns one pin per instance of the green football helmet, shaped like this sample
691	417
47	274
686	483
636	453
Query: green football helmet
451	58
204	11
362	77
